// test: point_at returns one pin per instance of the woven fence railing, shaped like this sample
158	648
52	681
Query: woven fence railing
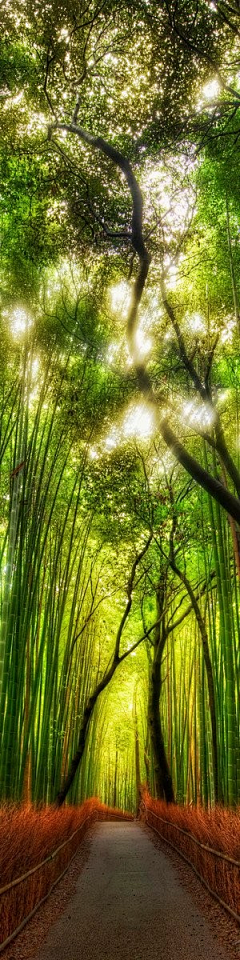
218	872
37	883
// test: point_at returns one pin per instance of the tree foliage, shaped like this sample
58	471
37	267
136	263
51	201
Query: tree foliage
120	393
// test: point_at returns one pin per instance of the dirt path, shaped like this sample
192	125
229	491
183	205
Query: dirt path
129	905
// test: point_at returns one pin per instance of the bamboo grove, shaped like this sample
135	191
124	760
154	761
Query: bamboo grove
120	399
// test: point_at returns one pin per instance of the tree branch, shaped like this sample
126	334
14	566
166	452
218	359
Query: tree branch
216	489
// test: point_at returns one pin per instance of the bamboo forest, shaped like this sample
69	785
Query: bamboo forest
120	402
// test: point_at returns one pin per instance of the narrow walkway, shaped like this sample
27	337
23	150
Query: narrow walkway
129	905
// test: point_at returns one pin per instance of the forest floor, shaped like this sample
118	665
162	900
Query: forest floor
130	900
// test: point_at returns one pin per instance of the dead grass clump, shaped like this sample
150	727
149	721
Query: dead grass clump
217	829
29	835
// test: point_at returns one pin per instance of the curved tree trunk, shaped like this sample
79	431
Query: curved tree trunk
74	765
163	779
228	501
76	760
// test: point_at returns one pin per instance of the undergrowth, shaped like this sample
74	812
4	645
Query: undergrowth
27	836
217	829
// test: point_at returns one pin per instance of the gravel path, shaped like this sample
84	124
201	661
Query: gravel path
129	905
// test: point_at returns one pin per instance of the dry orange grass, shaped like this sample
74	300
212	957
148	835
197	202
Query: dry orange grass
218	829
27	836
